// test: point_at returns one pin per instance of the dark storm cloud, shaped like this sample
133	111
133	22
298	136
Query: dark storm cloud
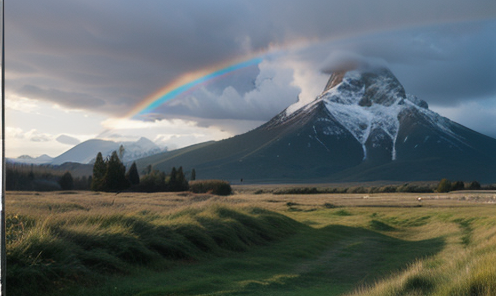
444	65
108	55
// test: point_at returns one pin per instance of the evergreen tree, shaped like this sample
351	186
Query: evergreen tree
182	183
66	182
122	150
173	179
115	175
31	174
132	175
99	169
193	175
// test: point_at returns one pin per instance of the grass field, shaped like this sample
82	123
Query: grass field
86	243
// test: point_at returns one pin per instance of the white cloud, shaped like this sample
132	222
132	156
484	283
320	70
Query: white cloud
273	90
18	103
14	133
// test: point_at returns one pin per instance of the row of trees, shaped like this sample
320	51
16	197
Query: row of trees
446	185
28	177
110	175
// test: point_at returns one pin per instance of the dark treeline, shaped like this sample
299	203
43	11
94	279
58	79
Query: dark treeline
444	185
108	175
28	177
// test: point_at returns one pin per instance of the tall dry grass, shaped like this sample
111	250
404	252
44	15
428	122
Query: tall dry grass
61	238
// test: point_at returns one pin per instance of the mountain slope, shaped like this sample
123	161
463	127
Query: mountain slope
362	127
86	152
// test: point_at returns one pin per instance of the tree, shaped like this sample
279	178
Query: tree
153	182
181	182
132	175
148	170
115	175
193	175
122	150
99	170
177	180
66	182
172	179
474	185
444	186
458	185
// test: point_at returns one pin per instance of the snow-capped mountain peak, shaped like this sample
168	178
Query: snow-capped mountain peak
369	103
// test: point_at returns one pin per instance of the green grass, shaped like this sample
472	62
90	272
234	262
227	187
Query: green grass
250	244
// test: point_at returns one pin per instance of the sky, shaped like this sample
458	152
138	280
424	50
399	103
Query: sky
77	70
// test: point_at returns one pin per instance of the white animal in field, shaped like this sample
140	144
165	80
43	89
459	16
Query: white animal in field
419	199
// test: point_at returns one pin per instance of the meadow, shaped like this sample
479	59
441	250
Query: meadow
251	243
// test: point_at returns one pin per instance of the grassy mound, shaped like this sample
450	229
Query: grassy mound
44	254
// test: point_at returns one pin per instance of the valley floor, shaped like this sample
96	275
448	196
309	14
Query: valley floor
320	244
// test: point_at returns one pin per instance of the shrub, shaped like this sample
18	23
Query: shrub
218	187
299	190
444	186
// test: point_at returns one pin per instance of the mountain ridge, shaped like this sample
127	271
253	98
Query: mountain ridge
85	152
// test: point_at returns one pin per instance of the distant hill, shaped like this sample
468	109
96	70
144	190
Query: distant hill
363	127
85	152
34	160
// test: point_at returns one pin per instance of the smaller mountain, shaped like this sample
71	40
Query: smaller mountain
26	159
86	151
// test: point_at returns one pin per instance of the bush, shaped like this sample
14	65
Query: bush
218	187
298	190
444	186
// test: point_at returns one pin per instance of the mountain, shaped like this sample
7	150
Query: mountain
42	159
363	127
86	152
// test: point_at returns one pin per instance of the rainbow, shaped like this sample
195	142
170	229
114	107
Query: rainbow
188	83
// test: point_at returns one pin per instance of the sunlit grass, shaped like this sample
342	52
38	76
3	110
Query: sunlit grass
251	244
